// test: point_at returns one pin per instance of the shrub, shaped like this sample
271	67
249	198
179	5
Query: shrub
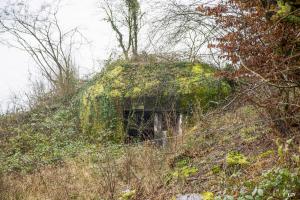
275	184
281	184
45	137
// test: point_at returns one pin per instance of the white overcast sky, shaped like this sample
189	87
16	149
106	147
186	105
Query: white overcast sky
85	14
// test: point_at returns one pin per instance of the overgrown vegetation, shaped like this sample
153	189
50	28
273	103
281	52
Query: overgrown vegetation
71	142
190	84
40	137
50	135
212	163
262	41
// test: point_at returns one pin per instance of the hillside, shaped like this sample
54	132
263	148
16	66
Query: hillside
229	153
162	100
94	115
49	153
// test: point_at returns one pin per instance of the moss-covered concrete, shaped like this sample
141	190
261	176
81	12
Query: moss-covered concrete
101	102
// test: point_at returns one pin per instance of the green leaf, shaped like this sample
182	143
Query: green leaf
254	192
260	192
249	197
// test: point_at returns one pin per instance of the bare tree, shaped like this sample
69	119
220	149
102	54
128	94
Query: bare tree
178	27
40	35
124	16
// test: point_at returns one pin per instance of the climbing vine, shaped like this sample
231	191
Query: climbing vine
102	102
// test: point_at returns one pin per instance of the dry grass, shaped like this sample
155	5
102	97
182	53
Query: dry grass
145	168
71	181
141	168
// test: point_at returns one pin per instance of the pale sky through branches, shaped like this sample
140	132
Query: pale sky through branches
16	66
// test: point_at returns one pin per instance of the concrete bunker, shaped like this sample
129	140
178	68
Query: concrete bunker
143	101
149	118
